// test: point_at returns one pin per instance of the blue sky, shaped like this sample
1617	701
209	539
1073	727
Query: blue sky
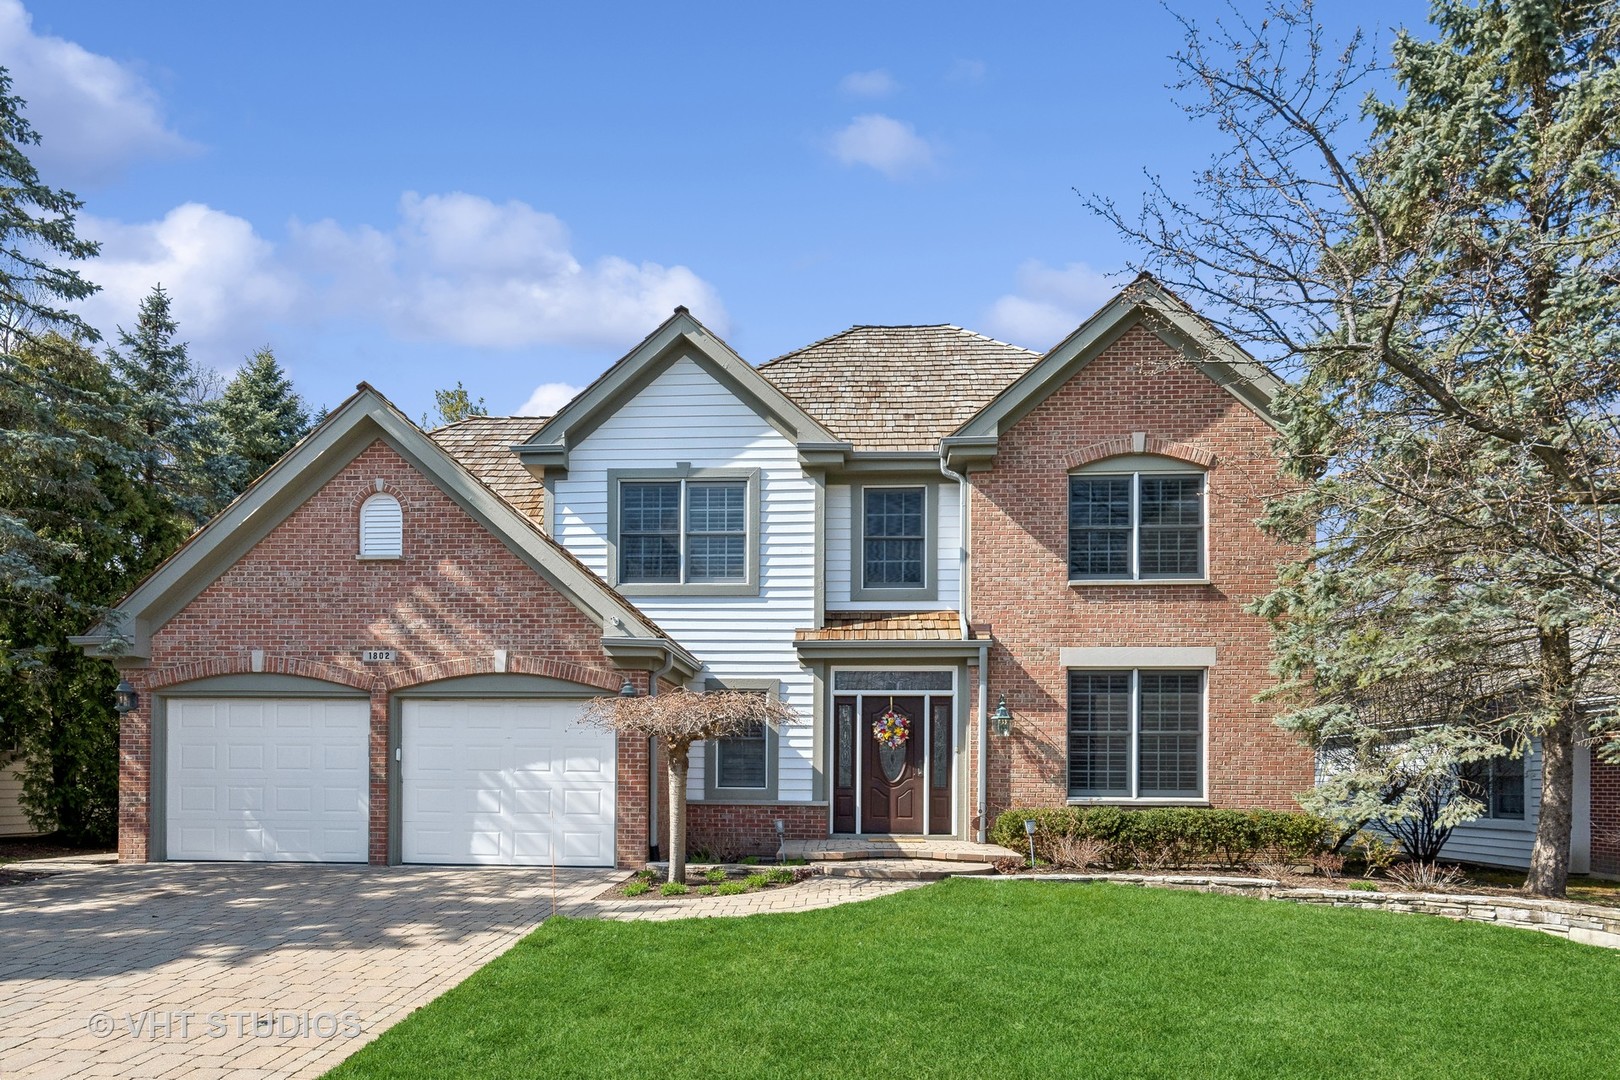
513	195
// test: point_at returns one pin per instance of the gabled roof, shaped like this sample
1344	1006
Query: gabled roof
483	445
679	336
897	387
1146	302
361	420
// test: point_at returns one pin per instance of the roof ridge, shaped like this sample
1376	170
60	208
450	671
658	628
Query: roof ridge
898	326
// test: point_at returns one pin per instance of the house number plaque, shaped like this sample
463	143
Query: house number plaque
377	656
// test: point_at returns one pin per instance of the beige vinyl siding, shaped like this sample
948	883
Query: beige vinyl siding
13	822
843	537
684	415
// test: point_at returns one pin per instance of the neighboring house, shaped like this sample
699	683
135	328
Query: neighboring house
381	650
13	820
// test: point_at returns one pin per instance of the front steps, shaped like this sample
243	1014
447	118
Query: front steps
897	858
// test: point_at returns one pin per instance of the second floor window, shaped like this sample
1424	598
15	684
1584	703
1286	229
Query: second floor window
683	531
893	538
1136	526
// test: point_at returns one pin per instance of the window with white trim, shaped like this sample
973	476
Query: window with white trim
382	528
1137	525
1497	782
1136	734
683	531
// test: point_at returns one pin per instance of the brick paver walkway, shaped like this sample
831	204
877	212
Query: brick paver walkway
276	965
820	892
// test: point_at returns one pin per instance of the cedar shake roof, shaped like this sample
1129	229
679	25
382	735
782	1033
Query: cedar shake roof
482	444
877	626
897	387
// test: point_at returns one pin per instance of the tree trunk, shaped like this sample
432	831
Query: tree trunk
1549	859
678	765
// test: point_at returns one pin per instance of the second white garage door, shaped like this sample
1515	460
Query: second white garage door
505	782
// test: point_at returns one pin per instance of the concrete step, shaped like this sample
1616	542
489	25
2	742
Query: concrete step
879	869
933	849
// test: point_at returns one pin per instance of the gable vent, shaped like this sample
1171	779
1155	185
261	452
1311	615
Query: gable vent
382	528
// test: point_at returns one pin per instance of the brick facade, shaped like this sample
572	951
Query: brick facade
303	599
1020	580
736	829
1605	818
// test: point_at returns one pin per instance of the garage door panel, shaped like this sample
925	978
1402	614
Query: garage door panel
267	779
514	762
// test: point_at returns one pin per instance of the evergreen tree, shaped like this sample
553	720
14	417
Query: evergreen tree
260	416
58	701
42	422
454	406
180	458
1445	288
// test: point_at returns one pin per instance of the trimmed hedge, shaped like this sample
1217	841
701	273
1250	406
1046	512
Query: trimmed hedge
1169	836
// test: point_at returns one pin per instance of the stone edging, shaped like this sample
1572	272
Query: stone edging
1589	924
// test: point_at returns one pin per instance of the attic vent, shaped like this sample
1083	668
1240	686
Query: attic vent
382	528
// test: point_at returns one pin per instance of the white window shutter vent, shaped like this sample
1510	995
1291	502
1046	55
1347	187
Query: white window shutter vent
382	528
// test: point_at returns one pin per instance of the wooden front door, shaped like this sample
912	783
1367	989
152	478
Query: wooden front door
892	785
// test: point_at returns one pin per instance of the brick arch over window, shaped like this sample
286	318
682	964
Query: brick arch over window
1127	444
242	664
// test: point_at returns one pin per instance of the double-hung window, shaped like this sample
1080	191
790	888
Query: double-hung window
1136	734
1136	526
684	531
894	538
1497	782
742	767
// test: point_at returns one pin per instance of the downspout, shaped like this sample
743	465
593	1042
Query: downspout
964	585
652	761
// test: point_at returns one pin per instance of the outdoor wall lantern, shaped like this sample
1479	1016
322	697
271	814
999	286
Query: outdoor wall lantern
628	689
1002	717
125	699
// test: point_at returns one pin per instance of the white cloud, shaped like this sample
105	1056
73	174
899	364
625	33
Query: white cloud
1049	304
548	398
890	146
459	268
968	71
868	84
226	281
93	114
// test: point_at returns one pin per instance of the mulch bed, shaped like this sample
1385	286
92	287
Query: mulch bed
44	847
696	881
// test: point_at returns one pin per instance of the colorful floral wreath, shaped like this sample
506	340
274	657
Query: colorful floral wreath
892	729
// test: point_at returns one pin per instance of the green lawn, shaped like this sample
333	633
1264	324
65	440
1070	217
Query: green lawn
995	979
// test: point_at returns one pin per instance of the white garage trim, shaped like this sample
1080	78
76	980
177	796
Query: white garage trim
505	782
266	779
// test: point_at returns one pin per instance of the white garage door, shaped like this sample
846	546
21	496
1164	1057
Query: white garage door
505	782
267	779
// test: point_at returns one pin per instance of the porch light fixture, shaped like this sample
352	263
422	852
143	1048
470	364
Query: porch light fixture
1029	830
1002	717
628	689
125	699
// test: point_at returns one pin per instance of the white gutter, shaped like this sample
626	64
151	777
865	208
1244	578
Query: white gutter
964	586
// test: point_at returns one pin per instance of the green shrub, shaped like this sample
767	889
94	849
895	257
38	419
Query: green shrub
750	860
781	875
649	874
715	876
673	888
1161	837
637	888
1363	886
705	890
730	888
756	881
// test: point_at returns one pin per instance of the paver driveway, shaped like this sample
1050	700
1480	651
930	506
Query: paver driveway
283	969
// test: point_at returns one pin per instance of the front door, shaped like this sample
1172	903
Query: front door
903	789
892	787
